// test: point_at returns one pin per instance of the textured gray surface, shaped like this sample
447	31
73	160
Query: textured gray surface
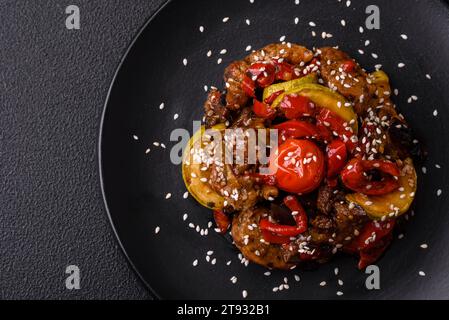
53	83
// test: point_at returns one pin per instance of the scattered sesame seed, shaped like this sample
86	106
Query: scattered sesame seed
296	20
404	36
401	65
424	246
201	29
267	273
156	231
422	273
312	24
195	262
340	282
336	270
220	60
428	76
361	30
223	51
185	216
435	113
348	3
296	2
400	236
374	55
214	261
248	22
424	170
251	1
209	53
248	48
135	137
175	116
343	22
339	293
244	294
168	196
184	61
282	39
297	278
185	195
322	283
147	151
367	42
225	19
439	192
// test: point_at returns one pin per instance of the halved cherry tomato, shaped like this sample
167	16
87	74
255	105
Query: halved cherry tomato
264	73
339	126
298	166
263	110
296	129
355	176
295	106
336	157
249	86
348	66
222	221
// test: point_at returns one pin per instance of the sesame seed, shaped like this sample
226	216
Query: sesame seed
156	231
367	42
195	262
135	137
424	246
225	19
343	23
248	48
175	116
185	195
147	151
361	29
209	53
404	36
220	60
439	192
296	20
248	22
374	55
428	76
244	294
251	1
267	273
214	261
184	61
282	39
322	283
348	3
400	236
210	252
340	282
424	170
223	51
201	29
422	273
312	24
185	216
297	278
339	293
401	65
435	113
336	270
168	196
296	2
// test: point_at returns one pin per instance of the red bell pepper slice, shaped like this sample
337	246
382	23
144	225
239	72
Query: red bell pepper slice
354	176
336	157
263	110
263	73
348	66
222	221
300	218
285	71
269	100
339	126
295	106
249	87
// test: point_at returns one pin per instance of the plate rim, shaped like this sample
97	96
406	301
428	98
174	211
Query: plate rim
152	292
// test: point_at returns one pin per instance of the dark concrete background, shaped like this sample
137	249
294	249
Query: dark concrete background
53	84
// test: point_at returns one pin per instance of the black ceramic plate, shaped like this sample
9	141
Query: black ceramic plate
135	183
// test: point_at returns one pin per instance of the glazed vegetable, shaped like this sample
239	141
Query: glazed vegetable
263	74
394	203
249	86
336	157
222	221
192	174
356	176
298	166
289	85
299	216
295	106
263	110
296	129
324	97
338	126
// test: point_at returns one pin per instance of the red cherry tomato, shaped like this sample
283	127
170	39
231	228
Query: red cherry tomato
295	106
298	166
336	157
348	66
263	110
296	129
264	73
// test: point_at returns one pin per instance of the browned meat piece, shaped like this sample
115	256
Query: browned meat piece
215	112
291	53
324	201
353	86
349	220
247	238
321	229
234	74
